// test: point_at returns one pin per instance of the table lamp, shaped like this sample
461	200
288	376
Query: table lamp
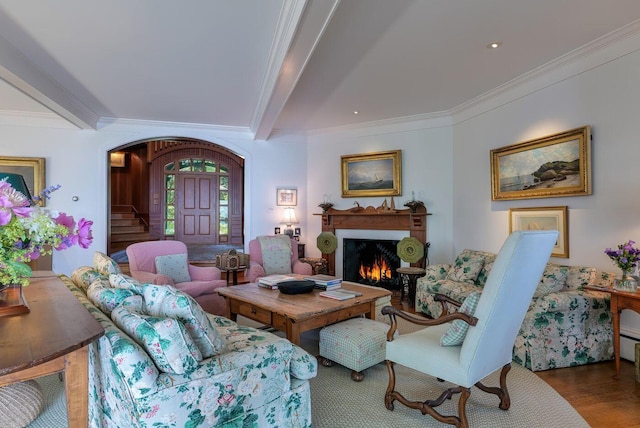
288	219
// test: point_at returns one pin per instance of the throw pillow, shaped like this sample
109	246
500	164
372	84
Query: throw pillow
458	330
466	267
166	301
165	340
105	297
276	254
84	276
553	280
105	264
175	266
125	282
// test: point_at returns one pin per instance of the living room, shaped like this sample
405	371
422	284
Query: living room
445	160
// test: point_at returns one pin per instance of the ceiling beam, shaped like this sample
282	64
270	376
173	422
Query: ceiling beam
300	27
19	72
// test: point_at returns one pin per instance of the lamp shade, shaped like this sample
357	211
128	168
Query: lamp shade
289	216
18	183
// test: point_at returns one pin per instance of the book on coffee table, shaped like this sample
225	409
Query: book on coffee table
324	279
340	294
272	281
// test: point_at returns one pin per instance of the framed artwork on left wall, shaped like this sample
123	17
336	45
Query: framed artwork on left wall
32	169
287	197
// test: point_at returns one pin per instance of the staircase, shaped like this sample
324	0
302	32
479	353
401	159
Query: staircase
126	227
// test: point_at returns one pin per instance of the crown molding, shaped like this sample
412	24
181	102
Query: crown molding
134	124
607	48
34	119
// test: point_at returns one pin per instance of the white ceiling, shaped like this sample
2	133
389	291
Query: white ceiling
292	65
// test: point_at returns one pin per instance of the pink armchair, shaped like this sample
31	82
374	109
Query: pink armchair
204	279
256	270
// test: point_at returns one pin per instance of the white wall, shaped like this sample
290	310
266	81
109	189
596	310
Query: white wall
426	171
77	160
606	97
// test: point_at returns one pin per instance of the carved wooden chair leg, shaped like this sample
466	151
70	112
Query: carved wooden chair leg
462	410
388	396
502	392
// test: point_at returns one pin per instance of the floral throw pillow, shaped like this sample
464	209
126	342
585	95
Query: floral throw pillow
105	264
165	340
166	301
458	330
466	267
175	266
553	280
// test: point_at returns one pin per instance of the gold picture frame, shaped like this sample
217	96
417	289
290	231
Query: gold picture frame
32	169
372	174
543	218
553	166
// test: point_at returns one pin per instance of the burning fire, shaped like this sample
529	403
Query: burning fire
378	271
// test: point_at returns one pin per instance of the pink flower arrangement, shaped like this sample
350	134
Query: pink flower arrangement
28	232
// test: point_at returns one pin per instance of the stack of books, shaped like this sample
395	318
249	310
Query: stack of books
325	282
272	281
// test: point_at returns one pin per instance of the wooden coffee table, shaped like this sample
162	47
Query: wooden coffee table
297	313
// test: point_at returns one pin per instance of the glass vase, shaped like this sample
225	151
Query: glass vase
626	283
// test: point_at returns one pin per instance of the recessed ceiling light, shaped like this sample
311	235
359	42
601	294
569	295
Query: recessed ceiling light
356	112
494	45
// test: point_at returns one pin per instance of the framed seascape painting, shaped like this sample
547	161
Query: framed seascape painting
552	166
544	218
372	174
32	169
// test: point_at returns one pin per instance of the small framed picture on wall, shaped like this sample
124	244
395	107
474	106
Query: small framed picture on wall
296	231
287	197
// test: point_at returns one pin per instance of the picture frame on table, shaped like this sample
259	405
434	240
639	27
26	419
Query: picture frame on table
543	218
32	169
553	166
372	174
286	197
276	231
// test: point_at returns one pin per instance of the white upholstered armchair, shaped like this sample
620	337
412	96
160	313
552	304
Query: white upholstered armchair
492	328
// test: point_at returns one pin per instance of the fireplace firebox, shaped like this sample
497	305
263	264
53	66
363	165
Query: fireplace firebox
371	262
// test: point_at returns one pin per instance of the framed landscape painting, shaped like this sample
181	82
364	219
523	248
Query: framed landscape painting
32	169
544	218
372	174
552	166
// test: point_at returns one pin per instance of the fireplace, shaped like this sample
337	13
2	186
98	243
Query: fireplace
371	262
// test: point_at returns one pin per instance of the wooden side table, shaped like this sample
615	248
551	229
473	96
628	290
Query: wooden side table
53	337
619	300
232	273
411	274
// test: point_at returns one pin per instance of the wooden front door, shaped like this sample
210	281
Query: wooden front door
196	217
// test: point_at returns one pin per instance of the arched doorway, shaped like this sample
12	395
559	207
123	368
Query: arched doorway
177	188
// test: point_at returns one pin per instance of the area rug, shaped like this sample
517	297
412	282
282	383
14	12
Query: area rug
337	401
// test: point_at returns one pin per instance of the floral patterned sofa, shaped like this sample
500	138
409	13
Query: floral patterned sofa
164	362
565	325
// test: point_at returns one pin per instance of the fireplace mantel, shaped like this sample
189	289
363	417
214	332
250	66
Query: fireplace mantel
370	218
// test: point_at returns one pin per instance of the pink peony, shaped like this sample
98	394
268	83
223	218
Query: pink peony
84	233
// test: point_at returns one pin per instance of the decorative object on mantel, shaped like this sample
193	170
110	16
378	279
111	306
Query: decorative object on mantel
626	258
327	242
357	207
413	205
325	206
27	232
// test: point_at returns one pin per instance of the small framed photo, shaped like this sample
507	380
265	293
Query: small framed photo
287	197
296	231
276	231
544	218
296	237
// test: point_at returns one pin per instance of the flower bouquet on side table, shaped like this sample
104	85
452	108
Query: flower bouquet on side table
626	258
28	232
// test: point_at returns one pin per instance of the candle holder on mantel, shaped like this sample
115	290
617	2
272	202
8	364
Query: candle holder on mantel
413	205
325	206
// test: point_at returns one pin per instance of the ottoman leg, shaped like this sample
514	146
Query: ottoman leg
357	376
326	362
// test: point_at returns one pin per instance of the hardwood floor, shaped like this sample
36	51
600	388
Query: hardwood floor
591	389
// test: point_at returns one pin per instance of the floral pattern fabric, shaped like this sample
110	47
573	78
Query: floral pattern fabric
565	325
259	380
466	267
276	254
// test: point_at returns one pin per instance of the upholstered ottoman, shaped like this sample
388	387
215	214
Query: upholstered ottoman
357	344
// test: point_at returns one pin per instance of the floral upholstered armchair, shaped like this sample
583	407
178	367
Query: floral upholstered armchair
565	324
